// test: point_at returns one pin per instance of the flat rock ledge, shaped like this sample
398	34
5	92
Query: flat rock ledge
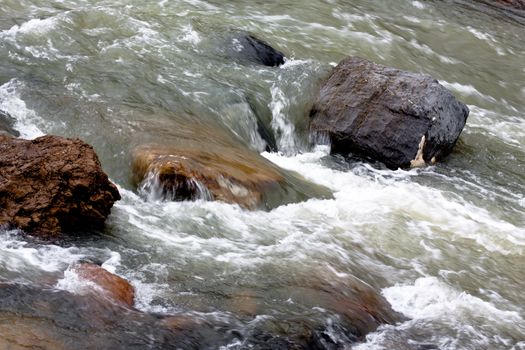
52	185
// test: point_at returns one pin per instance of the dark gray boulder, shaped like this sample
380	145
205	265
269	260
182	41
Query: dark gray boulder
6	125
247	47
400	118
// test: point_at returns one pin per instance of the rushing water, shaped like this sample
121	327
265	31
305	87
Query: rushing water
445	244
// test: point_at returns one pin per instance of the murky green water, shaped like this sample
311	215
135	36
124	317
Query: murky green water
445	245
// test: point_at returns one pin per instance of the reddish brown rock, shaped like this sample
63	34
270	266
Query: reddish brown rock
52	184
114	287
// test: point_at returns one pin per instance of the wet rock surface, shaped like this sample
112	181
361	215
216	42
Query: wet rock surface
360	309
208	164
112	286
36	317
51	185
399	118
33	316
247	47
6	125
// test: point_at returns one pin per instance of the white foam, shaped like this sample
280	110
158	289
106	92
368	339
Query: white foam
34	26
489	39
283	128
113	262
73	283
429	51
508	129
28	123
360	198
190	35
418	4
367	202
430	298
461	88
18	255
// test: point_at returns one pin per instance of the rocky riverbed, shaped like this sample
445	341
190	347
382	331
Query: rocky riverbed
239	175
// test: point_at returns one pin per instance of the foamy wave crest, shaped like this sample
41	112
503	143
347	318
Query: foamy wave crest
28	123
430	297
17	254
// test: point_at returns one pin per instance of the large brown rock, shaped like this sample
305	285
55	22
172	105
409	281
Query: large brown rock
114	287
205	163
53	184
399	118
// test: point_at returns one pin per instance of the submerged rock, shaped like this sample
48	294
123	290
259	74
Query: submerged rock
248	47
321	313
52	184
37	317
174	172
6	125
360	308
399	118
34	317
114	287
199	162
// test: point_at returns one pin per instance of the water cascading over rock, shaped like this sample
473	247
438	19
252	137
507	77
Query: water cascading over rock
198	162
109	285
52	184
400	118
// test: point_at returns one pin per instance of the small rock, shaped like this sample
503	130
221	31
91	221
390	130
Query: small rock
250	48
396	117
114	287
52	184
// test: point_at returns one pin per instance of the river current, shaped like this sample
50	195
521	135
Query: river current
445	245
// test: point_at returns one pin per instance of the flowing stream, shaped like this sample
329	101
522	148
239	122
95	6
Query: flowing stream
445	245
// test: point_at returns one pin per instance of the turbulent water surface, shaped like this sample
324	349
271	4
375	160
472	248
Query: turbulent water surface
445	245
